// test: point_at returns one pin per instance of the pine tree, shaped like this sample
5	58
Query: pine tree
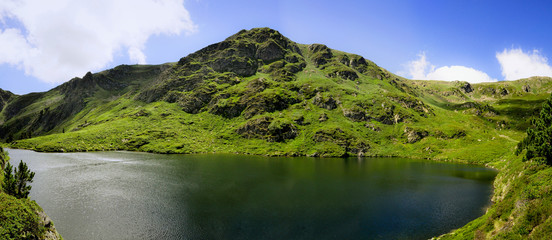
3	157
538	142
23	176
8	183
15	180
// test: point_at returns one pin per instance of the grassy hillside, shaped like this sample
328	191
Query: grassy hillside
258	92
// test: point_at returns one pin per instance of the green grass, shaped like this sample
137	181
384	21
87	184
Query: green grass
21	219
190	108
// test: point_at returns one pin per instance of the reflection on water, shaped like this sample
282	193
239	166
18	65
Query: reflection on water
122	195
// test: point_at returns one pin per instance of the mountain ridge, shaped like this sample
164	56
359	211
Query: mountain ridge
257	72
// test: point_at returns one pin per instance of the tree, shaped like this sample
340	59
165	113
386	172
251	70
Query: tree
3	157
8	183
538	143
15	183
22	176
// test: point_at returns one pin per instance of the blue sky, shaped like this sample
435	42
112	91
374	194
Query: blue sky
45	43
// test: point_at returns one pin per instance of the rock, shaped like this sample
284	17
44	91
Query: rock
414	104
345	60
321	54
267	102
268	129
323	117
526	88
280	131
346	74
255	128
49	228
360	149
350	144
413	135
504	92
270	51
257	85
455	135
358	63
467	88
300	120
327	103
373	127
356	114
241	66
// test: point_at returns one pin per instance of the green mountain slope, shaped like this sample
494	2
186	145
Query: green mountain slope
258	92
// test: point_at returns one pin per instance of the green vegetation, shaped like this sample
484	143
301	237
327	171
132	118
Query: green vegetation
522	206
538	141
21	218
257	92
15	183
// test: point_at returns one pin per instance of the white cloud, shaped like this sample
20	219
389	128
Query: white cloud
516	64
452	73
422	69
56	40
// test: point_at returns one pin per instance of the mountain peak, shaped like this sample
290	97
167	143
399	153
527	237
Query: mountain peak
258	35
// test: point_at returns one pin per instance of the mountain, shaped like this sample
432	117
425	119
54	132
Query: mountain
258	92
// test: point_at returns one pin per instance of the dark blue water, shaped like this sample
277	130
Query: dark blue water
122	195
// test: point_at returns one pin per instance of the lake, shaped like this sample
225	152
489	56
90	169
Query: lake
127	195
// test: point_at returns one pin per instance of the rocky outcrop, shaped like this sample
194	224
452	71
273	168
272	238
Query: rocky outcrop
324	102
321	54
346	74
241	66
323	117
413	135
413	103
383	112
268	129
355	113
466	87
270	51
454	135
526	88
350	144
504	92
50	232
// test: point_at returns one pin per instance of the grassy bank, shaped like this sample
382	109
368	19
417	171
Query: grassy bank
24	219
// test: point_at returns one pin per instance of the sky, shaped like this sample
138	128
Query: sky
46	43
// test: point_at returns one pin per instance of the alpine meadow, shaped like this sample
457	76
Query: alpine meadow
260	93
